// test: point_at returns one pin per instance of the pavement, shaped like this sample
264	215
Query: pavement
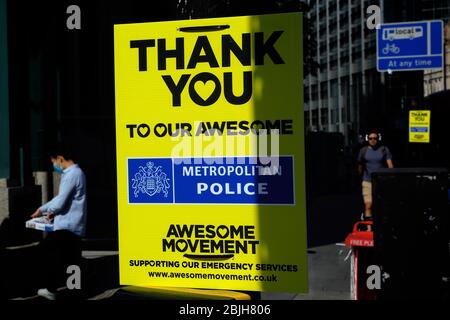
330	219
329	275
328	271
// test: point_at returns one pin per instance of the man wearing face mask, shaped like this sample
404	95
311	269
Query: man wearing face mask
68	210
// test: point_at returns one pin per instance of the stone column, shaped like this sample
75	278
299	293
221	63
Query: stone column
41	178
4	206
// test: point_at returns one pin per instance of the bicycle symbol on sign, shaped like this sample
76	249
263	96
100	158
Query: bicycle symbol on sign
391	48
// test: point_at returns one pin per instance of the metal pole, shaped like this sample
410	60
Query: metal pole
4	94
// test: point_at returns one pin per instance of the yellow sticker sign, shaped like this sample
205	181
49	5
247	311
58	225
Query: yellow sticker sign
210	153
419	126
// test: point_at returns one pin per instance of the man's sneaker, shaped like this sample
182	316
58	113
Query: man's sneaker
364	218
46	294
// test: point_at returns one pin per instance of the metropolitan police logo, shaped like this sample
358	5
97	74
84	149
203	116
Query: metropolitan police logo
150	180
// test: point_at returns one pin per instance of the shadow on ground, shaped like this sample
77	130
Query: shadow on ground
21	270
330	218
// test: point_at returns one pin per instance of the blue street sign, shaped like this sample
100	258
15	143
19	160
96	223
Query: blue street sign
410	46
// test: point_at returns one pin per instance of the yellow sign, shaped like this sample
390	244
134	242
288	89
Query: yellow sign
419	126
210	153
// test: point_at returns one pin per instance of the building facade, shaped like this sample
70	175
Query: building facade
347	94
436	9
434	79
345	88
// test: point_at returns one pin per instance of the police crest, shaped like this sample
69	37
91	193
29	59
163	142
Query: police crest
150	180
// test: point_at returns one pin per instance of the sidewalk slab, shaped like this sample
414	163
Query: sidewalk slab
329	276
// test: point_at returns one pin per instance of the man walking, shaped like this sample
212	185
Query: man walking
372	157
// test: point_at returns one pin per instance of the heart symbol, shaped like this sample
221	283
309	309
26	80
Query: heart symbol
213	91
182	245
160	130
143	130
205	89
222	234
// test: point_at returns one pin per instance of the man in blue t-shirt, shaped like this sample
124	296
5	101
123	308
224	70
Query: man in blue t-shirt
372	157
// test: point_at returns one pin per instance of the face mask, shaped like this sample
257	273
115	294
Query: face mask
57	168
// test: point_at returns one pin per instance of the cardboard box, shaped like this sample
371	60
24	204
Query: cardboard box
40	223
